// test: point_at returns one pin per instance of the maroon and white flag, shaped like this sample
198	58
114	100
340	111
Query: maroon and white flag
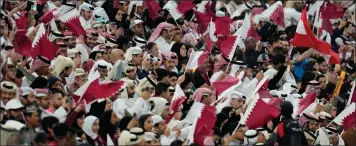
177	100
42	46
93	90
71	20
176	10
47	17
245	31
258	113
203	123
227	45
275	13
304	37
225	84
300	104
22	44
152	7
352	97
347	118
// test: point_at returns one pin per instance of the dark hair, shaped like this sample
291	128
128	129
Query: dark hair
188	78
49	122
54	91
172	74
150	46
29	114
319	76
310	65
41	138
273	40
93	54
39	82
177	142
142	119
161	73
320	60
161	87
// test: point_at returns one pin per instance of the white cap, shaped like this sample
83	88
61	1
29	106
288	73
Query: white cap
71	52
13	104
86	6
135	22
79	72
27	90
157	119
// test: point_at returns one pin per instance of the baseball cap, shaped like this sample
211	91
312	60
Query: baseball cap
263	58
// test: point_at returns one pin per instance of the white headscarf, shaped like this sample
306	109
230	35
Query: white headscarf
131	51
87	126
102	63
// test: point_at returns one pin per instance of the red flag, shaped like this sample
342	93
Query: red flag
206	51
347	118
223	85
331	11
93	90
304	37
177	100
203	127
203	21
258	113
71	20
227	46
22	43
42	46
176	10
223	23
300	104
185	6
275	13
48	17
152	7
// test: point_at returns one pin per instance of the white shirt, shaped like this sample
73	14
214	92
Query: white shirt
163	45
86	24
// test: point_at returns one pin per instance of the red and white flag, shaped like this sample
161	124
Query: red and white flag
258	113
245	31
352	97
42	46
176	10
198	57
47	17
203	5
300	104
203	123
347	118
227	45
71	20
223	23
275	13
93	90
177	100
225	84
152	7
304	37
22	44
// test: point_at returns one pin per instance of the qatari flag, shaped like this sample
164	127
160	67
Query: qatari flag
71	20
258	113
42	46
347	118
352	97
177	100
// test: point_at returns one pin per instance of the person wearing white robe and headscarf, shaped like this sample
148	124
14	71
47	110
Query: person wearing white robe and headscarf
8	91
102	67
162	36
250	137
63	69
91	129
144	91
86	17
